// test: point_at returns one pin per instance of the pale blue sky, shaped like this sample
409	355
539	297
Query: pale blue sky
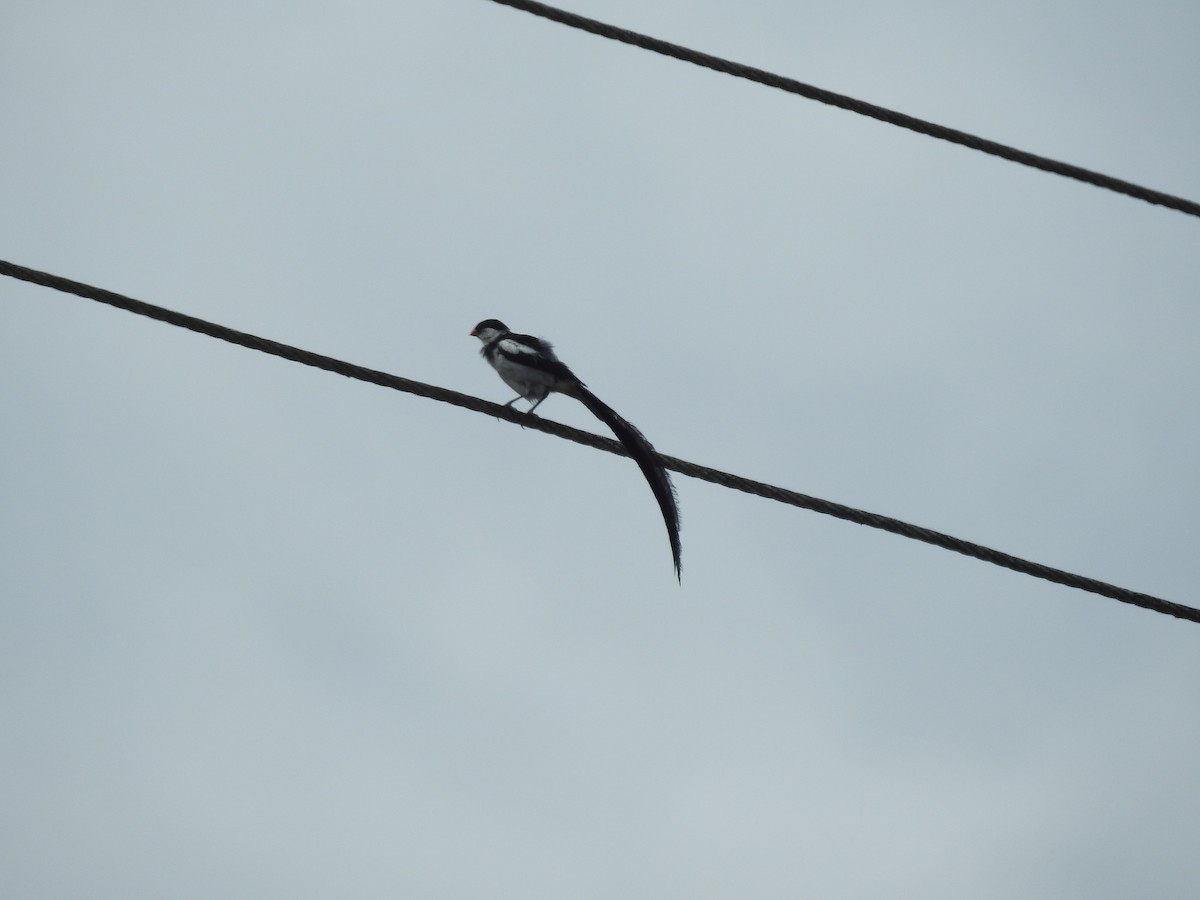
269	632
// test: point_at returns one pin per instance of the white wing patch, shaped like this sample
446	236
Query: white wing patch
516	348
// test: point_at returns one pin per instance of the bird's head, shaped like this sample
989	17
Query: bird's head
489	329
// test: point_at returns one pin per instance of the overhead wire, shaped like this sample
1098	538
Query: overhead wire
693	470
841	101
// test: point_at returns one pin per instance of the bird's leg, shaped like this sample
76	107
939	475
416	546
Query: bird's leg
528	412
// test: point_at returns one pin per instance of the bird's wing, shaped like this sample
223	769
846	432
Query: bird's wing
535	353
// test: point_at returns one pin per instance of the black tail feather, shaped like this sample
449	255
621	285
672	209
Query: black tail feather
642	453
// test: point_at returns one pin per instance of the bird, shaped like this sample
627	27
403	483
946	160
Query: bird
529	366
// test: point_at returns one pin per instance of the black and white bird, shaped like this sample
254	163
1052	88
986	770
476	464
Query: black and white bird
530	367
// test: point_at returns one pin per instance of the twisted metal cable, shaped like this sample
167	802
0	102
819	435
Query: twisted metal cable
792	86
693	470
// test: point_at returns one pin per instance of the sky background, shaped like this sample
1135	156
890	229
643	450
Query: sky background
269	632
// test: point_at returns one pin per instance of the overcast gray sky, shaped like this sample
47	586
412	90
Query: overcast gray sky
268	632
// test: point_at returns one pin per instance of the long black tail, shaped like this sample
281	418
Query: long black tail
644	455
